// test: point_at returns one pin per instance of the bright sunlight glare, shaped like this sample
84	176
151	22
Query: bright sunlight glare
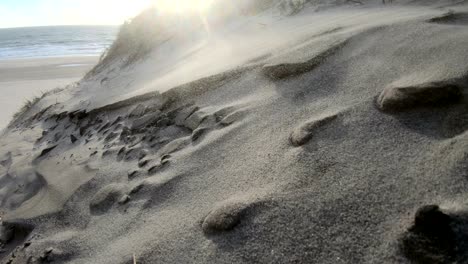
183	6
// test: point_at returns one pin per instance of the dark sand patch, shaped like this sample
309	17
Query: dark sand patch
436	237
451	18
12	236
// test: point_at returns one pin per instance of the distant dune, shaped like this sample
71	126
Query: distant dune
278	132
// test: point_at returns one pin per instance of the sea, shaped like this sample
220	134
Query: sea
55	41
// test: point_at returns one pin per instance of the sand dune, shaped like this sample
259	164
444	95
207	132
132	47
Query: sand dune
344	142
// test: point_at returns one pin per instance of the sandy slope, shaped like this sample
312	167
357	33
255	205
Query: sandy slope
22	79
318	146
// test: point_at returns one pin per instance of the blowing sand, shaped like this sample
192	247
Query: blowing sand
347	143
23	79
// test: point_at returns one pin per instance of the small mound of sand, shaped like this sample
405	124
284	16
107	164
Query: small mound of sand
302	134
154	168
425	95
226	215
184	113
144	121
151	185
20	187
105	198
288	66
138	111
233	117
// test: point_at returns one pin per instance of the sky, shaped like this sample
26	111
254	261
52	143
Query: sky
23	13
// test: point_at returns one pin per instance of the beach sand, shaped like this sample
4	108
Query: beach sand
23	79
337	135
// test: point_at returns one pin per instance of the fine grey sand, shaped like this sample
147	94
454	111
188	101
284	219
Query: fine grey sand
326	132
23	79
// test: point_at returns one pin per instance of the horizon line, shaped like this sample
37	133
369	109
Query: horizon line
71	25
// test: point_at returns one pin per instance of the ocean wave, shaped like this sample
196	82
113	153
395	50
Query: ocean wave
55	41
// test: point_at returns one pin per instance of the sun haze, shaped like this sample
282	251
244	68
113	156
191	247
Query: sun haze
25	13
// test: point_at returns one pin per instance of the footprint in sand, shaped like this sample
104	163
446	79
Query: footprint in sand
431	239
